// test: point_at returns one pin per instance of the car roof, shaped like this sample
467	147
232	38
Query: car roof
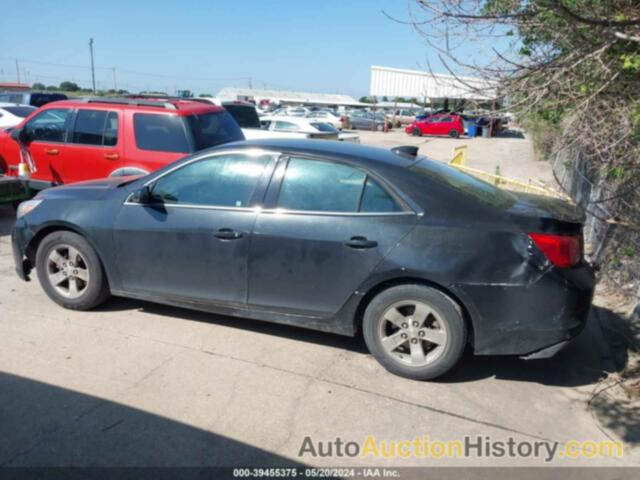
353	152
180	107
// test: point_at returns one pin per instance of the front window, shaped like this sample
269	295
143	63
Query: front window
220	181
48	126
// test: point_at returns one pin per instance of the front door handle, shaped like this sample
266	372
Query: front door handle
111	156
359	242
228	234
51	151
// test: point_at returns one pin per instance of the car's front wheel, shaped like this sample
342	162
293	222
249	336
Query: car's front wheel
415	331
416	132
70	271
454	133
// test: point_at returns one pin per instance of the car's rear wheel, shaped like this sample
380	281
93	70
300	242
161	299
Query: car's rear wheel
454	133
70	271
415	331
416	132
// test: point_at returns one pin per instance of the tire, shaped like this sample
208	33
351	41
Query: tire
85	271
416	132
454	133
443	323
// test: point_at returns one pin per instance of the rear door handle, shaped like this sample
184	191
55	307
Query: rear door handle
51	151
359	242
228	234
111	156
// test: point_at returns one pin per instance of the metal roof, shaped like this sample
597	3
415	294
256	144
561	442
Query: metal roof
232	93
397	82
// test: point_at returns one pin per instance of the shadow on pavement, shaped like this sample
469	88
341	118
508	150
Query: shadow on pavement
614	408
583	362
517	134
46	425
285	331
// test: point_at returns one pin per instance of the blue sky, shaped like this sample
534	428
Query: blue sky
205	45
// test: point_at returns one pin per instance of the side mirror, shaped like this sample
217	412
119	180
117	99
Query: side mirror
142	196
18	135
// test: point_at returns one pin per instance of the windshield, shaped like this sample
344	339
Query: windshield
464	183
20	111
245	115
211	129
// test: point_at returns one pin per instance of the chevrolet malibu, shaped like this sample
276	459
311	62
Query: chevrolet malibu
423	259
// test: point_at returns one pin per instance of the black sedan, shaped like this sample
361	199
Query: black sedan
423	259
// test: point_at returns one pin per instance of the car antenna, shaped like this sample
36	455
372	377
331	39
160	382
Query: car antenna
409	150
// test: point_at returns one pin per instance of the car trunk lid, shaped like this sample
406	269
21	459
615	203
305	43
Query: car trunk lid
545	214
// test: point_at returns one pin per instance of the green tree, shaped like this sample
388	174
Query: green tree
67	86
38	86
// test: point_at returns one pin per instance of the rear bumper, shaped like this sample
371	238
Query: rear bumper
535	320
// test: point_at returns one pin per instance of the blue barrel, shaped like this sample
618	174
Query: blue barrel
472	130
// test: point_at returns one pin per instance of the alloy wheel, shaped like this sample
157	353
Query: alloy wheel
412	333
67	271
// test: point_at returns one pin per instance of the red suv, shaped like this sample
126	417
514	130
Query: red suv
440	124
74	140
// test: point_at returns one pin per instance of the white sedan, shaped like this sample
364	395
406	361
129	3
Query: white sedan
308	126
11	114
327	116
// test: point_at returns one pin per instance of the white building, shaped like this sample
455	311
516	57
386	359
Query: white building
428	87
281	97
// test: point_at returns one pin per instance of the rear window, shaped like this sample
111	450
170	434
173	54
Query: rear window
212	129
464	183
95	127
12	97
324	127
244	115
20	111
40	99
161	133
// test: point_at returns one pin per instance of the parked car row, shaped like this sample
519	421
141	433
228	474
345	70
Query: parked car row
186	188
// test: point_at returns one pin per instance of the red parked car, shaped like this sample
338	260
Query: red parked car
439	124
75	140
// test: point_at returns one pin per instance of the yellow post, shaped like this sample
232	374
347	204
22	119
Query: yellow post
459	155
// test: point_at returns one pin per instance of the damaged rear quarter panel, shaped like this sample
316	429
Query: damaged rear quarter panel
516	302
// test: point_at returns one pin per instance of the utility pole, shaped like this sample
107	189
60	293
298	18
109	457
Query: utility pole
17	71
93	70
115	84
250	84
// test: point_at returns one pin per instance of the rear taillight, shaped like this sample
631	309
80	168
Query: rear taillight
563	251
